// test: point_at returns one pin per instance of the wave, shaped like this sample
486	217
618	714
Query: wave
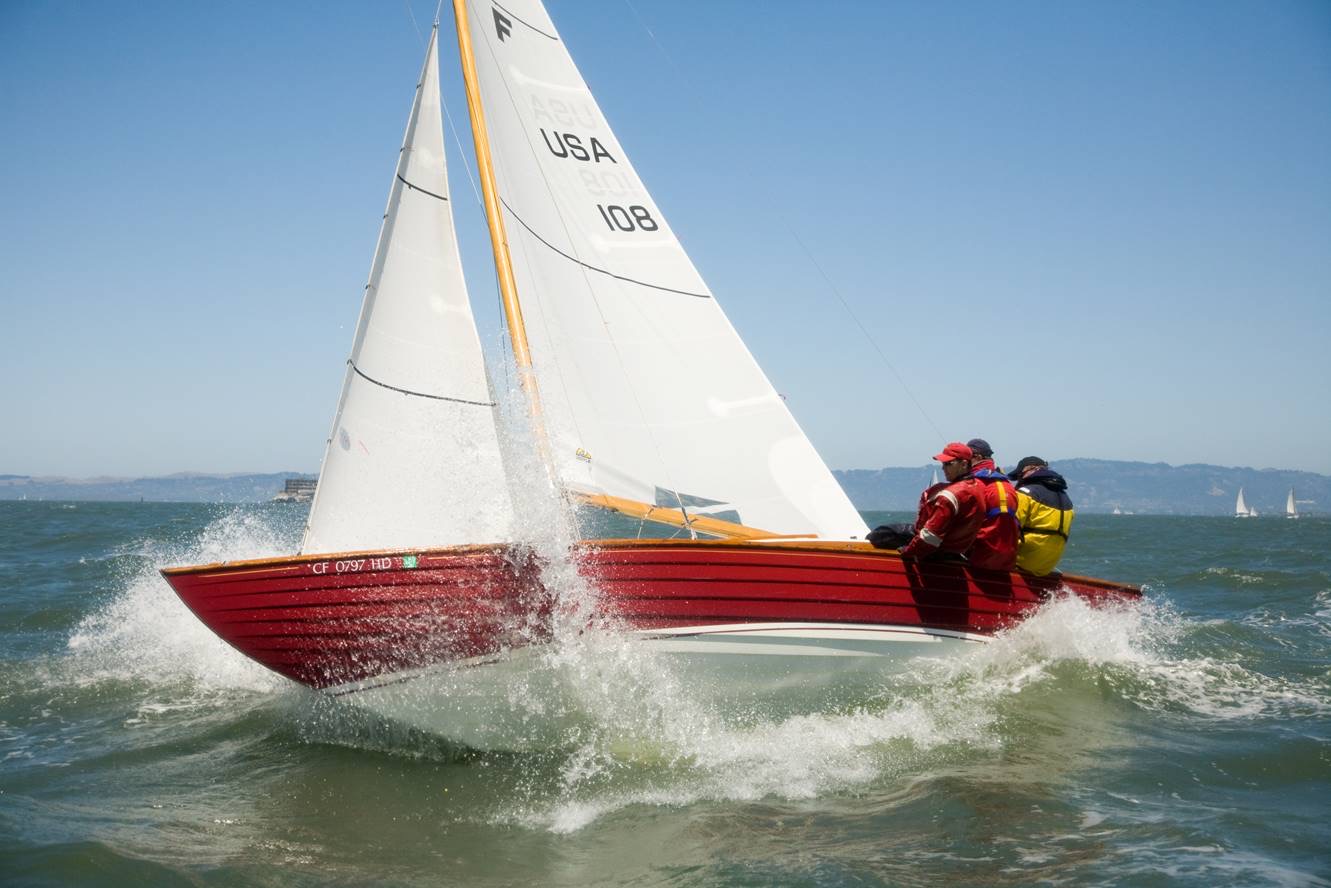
1061	688
1234	574
1054	692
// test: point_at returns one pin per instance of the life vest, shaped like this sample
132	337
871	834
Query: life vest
995	545
1005	497
1045	517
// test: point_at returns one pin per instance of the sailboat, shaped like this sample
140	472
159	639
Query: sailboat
1242	509
1291	510
639	399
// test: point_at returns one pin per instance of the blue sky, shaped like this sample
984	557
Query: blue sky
1077	229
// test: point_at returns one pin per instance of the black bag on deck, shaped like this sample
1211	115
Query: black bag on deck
891	536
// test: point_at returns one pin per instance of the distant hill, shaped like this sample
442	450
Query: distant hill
1102	485
1097	485
185	487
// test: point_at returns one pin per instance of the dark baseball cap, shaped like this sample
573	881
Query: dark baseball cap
1026	463
981	447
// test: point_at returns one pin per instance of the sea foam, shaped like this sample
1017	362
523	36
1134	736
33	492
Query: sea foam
146	634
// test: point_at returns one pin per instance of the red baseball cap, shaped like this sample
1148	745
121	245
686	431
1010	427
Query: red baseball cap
955	450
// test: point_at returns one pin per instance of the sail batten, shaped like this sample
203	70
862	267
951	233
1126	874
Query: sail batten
644	384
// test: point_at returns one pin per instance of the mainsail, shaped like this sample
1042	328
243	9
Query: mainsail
1291	510
413	459
1241	509
646	393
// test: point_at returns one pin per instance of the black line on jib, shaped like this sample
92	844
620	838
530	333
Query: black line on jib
393	388
419	188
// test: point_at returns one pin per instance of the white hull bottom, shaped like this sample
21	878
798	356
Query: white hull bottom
544	696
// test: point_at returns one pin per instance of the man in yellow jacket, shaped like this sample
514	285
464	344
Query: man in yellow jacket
1044	512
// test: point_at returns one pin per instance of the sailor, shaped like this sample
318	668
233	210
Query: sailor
996	542
1044	512
951	515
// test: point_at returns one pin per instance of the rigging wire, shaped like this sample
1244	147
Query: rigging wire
411	15
475	191
683	78
661	49
872	342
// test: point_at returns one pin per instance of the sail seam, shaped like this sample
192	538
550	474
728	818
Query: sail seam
418	394
589	267
521	22
419	188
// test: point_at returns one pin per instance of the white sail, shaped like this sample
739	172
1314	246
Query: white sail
1241	509
1291	510
646	391
413	459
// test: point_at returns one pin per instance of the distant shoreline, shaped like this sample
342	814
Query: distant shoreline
1097	486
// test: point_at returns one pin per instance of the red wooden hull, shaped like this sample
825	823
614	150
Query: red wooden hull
326	620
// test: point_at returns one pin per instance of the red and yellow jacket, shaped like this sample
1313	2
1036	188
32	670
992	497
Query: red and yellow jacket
996	541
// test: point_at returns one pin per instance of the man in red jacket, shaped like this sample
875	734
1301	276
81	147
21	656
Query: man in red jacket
996	542
952	514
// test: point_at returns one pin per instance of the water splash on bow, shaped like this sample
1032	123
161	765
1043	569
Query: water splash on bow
144	633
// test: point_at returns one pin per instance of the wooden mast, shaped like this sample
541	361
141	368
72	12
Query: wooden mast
508	288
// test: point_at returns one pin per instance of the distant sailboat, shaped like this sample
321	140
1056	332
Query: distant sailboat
1241	509
1291	510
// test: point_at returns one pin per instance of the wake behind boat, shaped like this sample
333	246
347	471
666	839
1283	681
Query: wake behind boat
640	398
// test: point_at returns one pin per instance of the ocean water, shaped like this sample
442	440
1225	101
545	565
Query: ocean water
1183	742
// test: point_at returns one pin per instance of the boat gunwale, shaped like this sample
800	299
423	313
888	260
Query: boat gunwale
803	546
